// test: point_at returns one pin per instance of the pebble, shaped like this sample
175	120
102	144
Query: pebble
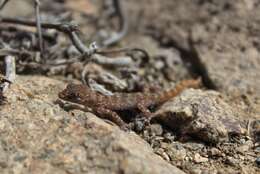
258	161
242	149
169	137
177	154
3	159
200	159
195	171
194	146
138	126
257	150
215	152
163	154
156	129
231	161
159	65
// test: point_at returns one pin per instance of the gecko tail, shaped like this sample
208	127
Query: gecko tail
167	95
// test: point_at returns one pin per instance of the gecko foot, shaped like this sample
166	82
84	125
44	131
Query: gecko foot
112	116
126	128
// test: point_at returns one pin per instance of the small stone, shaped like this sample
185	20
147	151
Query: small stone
160	152
214	152
257	161
231	161
49	112
156	129
165	156
200	159
169	137
242	141
257	150
176	153
242	149
159	65
195	171
138	126
241	157
194	146
3	159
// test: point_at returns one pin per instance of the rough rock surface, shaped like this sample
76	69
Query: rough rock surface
232	58
202	114
221	41
37	136
17	8
216	39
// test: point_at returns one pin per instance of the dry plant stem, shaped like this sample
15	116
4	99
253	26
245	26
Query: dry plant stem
70	29
97	87
67	28
39	27
113	80
3	4
79	45
120	50
248	127
10	72
62	27
14	52
117	62
105	78
123	22
90	52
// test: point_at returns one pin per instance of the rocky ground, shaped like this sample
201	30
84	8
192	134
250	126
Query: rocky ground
37	136
215	129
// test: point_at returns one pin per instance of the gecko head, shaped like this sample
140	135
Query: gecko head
74	93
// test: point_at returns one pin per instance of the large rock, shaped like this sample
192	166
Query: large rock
37	136
17	8
216	37
202	114
232	58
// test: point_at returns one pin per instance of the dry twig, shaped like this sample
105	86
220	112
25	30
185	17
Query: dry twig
10	73
39	26
123	22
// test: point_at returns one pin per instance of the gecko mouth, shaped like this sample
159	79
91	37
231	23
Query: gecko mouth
68	96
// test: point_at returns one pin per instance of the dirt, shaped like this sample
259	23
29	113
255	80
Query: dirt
212	130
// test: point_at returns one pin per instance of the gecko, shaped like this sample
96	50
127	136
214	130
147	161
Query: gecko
106	106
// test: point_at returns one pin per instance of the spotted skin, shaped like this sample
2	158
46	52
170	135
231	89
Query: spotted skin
106	106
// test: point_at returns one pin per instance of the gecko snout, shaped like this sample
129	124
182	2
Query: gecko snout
61	94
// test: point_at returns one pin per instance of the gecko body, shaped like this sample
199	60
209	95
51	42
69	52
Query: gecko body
106	106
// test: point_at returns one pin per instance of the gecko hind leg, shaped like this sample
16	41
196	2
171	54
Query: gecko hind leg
112	116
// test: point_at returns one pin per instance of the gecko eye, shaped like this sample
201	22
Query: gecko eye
73	95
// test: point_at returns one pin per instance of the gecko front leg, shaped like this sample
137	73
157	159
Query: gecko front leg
144	110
